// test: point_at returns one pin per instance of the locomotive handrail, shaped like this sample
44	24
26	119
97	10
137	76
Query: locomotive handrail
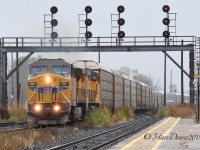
31	96
64	96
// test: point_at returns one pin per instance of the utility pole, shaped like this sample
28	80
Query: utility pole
12	88
0	73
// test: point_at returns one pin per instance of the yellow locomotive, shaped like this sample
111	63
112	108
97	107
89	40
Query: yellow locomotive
58	92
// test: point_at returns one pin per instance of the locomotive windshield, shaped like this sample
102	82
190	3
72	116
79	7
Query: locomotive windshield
60	69
38	69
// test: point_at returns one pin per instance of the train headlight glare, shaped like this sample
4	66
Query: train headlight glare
56	108
38	108
47	79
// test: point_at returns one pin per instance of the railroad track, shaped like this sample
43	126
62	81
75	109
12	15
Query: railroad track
7	124
15	128
106	139
19	129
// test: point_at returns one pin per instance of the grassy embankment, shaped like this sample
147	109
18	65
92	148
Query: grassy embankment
28	138
15	114
103	117
183	111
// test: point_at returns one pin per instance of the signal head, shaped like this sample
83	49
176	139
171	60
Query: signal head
54	22
88	9
121	34
88	22
120	9
166	21
121	21
166	8
54	35
54	10
88	34
166	34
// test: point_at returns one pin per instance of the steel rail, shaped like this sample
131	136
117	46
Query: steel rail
100	134
109	143
6	124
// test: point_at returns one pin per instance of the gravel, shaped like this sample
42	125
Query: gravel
77	134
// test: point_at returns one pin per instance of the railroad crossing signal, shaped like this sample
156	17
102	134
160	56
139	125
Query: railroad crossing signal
53	22
88	22
166	21
121	22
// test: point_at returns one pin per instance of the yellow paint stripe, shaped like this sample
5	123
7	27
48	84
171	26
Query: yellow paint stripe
137	139
166	133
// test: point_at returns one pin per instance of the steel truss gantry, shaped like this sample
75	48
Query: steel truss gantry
95	44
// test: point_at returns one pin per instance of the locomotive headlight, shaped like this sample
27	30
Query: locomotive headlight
38	107
56	108
47	79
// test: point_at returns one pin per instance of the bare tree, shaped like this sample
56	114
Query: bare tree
134	74
125	70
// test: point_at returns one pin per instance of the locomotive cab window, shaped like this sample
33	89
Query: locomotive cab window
38	70
94	77
60	69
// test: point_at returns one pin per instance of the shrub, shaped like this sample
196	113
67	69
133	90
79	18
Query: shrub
103	117
118	116
99	117
128	112
161	112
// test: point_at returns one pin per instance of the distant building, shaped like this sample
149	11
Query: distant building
173	88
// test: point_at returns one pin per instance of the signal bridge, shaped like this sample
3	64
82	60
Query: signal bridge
95	44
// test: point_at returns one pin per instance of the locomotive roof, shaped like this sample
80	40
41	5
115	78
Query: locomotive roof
47	62
90	64
94	65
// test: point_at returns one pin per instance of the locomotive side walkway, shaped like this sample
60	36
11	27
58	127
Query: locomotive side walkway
170	133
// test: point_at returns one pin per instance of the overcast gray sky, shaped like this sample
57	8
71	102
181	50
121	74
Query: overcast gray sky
143	18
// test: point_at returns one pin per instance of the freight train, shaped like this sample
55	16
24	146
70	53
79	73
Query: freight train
60	92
